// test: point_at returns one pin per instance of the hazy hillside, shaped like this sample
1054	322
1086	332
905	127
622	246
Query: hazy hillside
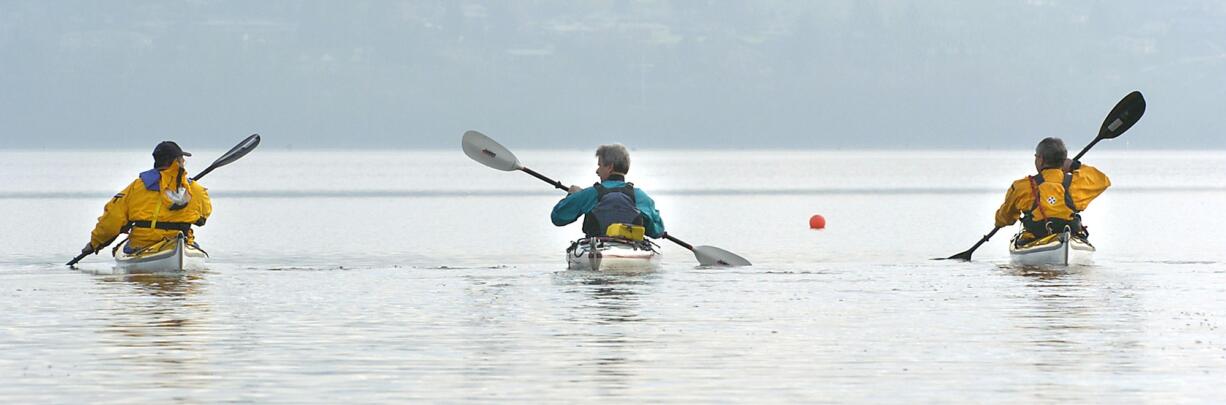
892	74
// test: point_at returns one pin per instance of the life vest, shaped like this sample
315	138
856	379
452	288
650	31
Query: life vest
1053	207
153	182
614	205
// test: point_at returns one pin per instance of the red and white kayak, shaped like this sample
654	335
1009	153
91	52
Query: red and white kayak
1060	249
169	256
612	254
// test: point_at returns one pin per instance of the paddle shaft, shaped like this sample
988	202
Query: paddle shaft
555	183
678	241
1087	148
83	254
206	171
983	240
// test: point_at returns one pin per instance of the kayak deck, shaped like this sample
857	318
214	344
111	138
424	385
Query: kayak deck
612	254
172	255
1059	249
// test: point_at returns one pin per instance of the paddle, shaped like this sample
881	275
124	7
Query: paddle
235	153
966	256
1126	113
488	152
711	255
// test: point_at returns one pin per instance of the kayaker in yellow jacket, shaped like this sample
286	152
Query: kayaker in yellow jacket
158	205
1052	200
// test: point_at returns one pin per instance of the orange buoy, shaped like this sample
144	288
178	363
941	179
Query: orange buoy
817	222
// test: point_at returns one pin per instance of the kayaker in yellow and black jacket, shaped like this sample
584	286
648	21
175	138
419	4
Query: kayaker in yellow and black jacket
158	205
1052	199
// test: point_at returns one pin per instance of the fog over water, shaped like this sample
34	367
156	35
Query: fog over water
651	74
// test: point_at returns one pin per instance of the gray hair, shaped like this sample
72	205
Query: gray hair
616	155
1052	152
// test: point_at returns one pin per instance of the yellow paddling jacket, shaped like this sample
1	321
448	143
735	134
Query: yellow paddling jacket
1083	185
144	209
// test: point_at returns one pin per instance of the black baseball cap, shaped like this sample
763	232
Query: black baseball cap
168	150
165	152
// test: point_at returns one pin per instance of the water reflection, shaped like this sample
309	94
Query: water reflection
154	324
1043	273
1076	318
608	307
606	298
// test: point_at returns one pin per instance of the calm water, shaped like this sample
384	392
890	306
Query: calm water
390	276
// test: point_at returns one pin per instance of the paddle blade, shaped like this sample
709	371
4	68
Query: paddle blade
964	256
713	256
238	151
74	260
487	152
1126	113
235	153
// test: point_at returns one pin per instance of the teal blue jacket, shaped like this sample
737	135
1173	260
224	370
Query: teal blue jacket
576	205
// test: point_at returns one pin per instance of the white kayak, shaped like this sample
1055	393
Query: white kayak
169	256
1060	249
611	254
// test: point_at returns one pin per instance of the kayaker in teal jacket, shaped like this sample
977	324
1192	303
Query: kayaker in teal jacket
612	200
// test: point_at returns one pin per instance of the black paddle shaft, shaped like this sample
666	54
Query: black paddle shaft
83	254
552	182
967	254
678	241
1087	149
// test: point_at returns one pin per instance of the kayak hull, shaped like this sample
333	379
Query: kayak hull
1062	250
175	256
612	255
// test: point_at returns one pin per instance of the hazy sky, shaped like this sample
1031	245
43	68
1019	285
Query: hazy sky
571	74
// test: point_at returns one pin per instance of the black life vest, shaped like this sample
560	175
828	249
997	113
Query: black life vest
1049	225
614	205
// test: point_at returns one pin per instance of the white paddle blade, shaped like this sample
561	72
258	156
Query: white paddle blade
487	152
713	256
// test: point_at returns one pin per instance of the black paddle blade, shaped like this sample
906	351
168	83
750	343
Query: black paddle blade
74	260
235	153
238	151
1126	113
964	256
